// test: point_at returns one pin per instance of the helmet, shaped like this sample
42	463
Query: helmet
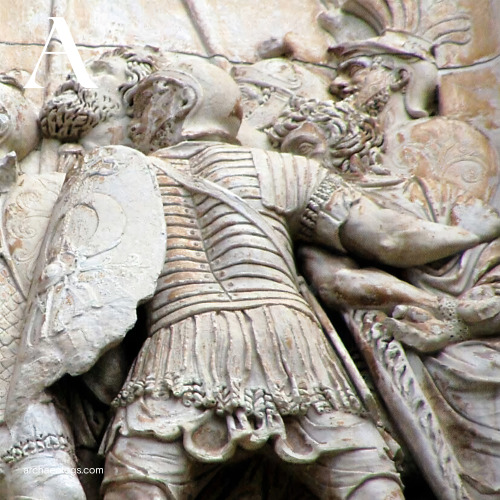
215	109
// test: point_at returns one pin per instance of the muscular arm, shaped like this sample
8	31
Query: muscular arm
343	285
346	220
393	238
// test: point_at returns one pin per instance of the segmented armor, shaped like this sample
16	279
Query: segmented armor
217	259
229	330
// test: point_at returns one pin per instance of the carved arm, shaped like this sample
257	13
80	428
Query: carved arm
341	217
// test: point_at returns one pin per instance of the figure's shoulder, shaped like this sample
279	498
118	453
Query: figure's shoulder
201	154
278	161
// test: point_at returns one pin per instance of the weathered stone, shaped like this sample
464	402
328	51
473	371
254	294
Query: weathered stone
369	137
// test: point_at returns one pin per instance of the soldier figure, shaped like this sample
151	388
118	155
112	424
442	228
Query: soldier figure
235	360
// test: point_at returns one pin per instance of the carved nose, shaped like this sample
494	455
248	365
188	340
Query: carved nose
340	88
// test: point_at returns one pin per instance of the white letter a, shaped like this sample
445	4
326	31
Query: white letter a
69	49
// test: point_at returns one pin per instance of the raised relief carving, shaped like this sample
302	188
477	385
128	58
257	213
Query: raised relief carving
443	162
233	349
188	186
216	181
42	434
97	117
27	201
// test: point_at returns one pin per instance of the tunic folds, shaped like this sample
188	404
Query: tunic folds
235	351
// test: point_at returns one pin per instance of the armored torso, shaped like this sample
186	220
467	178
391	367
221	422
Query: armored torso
230	333
218	258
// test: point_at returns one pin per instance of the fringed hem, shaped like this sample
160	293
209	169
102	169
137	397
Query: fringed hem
255	402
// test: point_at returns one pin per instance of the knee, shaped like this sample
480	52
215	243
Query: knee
135	491
359	474
44	476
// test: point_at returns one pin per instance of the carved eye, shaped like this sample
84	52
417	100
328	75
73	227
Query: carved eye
5	122
307	141
305	148
351	67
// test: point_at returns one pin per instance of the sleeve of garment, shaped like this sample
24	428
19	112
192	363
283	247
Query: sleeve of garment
316	201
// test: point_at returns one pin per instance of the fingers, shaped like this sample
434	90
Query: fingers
411	313
413	336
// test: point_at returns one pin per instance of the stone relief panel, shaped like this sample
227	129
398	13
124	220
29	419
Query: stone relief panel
355	144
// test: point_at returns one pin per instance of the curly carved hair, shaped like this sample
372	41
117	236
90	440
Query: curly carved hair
74	110
140	63
350	135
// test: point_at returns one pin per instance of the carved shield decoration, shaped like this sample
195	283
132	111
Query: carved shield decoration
25	217
103	251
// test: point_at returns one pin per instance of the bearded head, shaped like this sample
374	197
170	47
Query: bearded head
74	111
336	134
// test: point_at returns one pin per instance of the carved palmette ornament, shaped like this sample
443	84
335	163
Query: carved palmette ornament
104	249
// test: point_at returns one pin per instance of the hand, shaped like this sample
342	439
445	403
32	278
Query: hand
421	330
480	303
480	220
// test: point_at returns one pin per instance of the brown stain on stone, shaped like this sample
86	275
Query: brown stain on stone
470	95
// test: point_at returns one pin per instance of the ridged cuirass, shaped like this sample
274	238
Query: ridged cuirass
217	257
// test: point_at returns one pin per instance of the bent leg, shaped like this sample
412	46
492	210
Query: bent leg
142	467
48	469
353	463
354	475
380	488
135	491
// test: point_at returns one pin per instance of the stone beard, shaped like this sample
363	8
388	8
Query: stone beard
75	110
355	174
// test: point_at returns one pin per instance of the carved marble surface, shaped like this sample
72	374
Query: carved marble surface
216	161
